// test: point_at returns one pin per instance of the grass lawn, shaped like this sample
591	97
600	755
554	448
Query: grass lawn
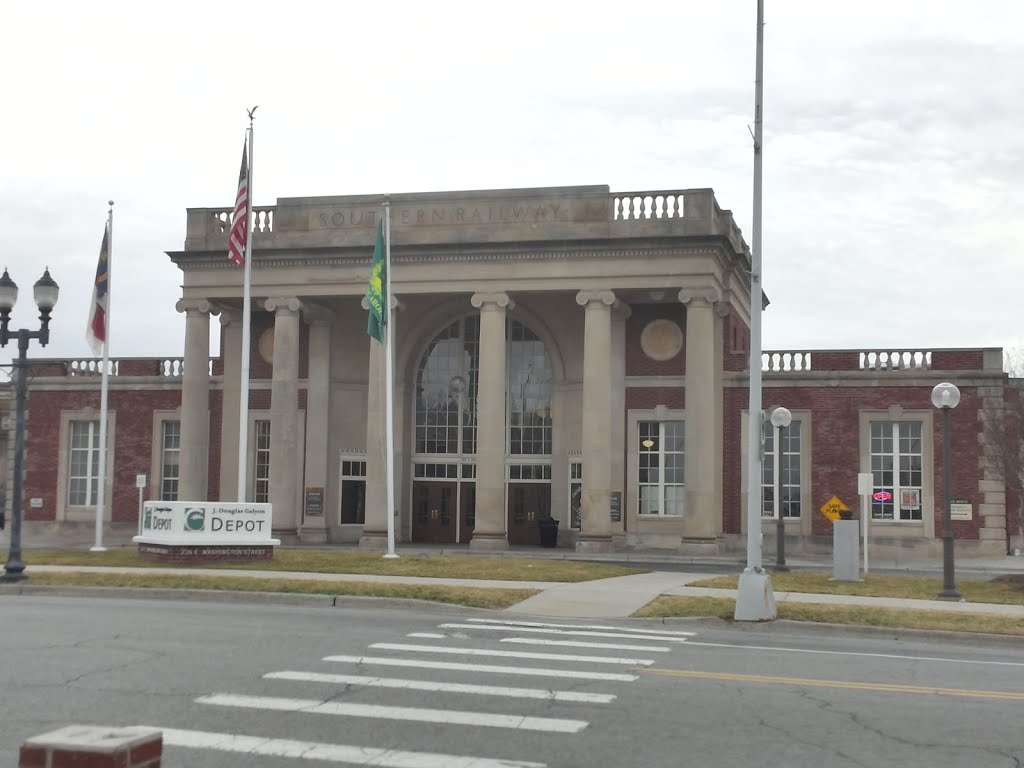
334	561
724	608
908	587
470	596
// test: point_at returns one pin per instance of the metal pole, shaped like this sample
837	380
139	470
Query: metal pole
389	383
948	585
14	568
780	524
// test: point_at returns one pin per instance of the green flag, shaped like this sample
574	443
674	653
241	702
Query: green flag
375	297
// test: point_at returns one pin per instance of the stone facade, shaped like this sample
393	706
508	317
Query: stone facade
563	352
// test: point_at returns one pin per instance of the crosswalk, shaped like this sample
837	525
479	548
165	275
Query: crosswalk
434	689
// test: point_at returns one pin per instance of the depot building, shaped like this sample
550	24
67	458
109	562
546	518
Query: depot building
569	354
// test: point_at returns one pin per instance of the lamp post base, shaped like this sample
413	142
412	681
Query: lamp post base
950	594
755	600
11	575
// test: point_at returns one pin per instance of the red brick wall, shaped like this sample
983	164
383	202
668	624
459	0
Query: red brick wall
639	364
133	444
736	343
957	360
835	446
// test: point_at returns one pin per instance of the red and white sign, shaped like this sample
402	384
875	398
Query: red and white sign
882	496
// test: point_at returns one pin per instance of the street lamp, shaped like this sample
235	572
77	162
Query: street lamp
946	397
781	417
45	293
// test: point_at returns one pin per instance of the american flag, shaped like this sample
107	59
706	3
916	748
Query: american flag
239	233
96	329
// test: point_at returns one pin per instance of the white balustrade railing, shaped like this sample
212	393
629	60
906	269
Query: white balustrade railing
262	219
896	361
90	367
647	205
776	362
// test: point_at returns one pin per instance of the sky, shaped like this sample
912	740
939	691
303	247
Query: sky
894	139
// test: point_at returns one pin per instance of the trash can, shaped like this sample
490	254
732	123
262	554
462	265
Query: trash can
548	532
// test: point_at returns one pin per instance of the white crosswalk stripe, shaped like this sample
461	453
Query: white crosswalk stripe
492	668
337	753
584	644
576	632
377	711
429	685
511	654
638	630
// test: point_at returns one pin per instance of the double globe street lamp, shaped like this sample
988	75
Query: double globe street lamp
45	292
946	397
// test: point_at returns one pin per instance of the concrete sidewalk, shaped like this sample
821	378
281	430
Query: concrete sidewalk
617	597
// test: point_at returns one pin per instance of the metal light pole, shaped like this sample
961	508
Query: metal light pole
781	417
45	292
946	397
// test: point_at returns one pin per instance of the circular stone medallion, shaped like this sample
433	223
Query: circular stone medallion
661	340
266	345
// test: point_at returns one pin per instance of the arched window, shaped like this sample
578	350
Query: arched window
446	390
529	393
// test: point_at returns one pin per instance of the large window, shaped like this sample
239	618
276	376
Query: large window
170	460
575	494
84	463
896	470
446	390
261	475
353	492
529	392
788	455
660	467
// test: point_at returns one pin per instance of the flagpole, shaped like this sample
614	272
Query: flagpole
243	398
101	491
389	386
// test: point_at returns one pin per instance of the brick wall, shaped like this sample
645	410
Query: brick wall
639	364
835	446
736	343
133	443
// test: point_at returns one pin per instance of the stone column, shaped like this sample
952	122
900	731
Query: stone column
702	521
596	530
284	416
318	397
617	436
231	390
489	532
195	400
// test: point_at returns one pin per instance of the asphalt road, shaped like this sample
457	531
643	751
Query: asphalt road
420	687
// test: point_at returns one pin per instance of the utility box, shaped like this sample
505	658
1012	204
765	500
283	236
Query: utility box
846	550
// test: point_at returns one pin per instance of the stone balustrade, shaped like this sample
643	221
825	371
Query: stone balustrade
163	367
647	205
881	361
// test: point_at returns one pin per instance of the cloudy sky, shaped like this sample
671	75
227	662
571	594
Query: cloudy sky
894	139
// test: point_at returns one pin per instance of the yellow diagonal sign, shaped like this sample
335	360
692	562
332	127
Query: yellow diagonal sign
832	508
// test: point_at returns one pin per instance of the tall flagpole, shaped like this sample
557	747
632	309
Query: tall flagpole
755	600
243	398
101	491
389	384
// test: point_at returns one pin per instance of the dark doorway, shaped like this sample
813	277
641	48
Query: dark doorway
527	504
467	511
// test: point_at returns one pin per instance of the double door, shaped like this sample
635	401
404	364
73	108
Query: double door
528	503
435	513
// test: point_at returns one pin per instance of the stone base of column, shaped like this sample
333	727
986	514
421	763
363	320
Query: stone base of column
313	534
700	546
374	540
595	545
488	542
286	535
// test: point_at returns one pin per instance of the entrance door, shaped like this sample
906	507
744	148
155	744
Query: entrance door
433	512
527	503
467	510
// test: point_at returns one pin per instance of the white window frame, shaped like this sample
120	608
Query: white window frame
257	452
66	511
164	451
768	475
575	491
662	485
155	486
807	508
358	459
897	431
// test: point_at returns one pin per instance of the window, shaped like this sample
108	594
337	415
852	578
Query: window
529	393
896	470
660	467
170	460
261	475
446	390
353	492
84	463
576	494
789	471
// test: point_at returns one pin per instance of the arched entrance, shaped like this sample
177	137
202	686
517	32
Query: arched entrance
445	434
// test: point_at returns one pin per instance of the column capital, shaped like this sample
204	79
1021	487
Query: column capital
706	294
230	316
282	303
197	305
492	301
607	298
316	314
395	304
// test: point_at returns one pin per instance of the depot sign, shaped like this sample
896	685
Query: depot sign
186	523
